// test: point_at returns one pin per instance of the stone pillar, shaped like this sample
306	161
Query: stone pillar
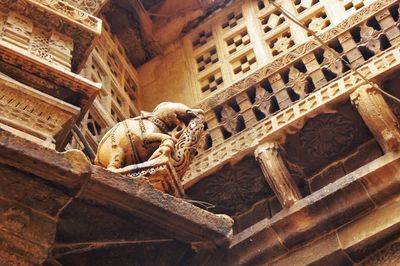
378	116
277	174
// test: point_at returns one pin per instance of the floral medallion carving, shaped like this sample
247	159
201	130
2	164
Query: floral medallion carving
233	189
328	135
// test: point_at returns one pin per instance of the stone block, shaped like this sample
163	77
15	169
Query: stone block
69	169
383	182
31	191
259	211
330	175
326	251
319	213
250	248
363	236
366	153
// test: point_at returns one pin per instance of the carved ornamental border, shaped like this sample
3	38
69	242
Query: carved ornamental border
34	111
290	119
62	17
292	56
24	60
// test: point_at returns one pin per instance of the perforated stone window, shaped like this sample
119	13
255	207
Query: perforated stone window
272	20
116	115
40	43
244	63
232	20
281	43
130	88
116	97
317	23
94	127
207	59
202	38
98	70
212	82
238	41
114	64
302	5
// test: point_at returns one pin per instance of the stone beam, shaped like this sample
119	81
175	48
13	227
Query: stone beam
378	116
70	170
277	175
340	203
176	217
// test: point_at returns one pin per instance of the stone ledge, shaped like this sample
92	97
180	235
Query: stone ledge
179	219
69	169
325	210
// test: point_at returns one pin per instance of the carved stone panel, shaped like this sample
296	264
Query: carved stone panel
233	189
324	139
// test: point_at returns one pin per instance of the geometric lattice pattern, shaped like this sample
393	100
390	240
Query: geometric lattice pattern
302	5
114	65
207	59
244	63
272	21
232	20
238	41
317	23
202	38
40	43
281	43
212	82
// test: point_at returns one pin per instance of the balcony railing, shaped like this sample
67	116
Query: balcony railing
277	96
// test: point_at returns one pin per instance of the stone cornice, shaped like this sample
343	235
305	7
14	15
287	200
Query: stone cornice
27	62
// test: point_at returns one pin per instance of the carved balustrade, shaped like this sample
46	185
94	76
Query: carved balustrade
298	82
89	6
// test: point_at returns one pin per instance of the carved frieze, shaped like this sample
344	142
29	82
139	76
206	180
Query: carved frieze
89	6
33	112
289	119
61	17
292	56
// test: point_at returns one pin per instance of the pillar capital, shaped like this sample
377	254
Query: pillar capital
378	116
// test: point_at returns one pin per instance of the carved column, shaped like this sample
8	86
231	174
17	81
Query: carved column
277	174
378	116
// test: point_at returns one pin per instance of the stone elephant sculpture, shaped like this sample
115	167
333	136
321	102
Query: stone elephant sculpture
146	137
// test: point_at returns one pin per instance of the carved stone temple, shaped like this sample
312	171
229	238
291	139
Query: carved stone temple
199	132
